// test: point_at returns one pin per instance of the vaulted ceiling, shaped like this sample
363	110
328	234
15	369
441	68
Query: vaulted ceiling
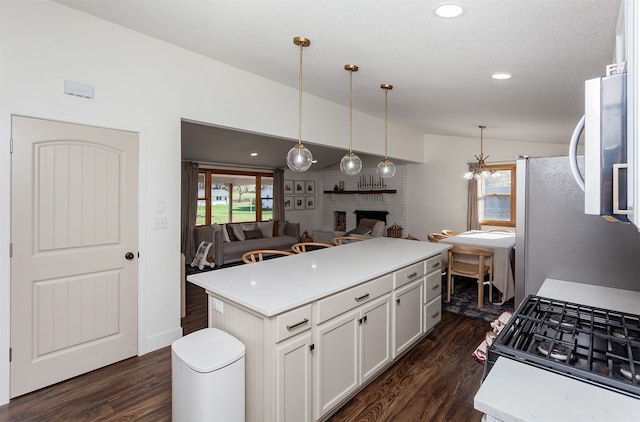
440	68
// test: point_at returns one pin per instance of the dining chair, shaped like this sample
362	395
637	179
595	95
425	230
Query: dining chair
258	255
341	240
436	237
472	263
450	232
302	247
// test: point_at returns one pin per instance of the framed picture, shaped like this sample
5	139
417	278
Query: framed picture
288	203
310	202
298	202
288	187
298	187
309	187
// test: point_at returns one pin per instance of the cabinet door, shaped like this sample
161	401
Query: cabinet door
375	336
407	311
336	363
432	314
293	379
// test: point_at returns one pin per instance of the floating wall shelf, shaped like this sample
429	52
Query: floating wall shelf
361	192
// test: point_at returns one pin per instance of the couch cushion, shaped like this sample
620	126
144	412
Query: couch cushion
266	227
233	251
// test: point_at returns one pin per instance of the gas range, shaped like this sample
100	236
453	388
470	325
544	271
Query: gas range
590	344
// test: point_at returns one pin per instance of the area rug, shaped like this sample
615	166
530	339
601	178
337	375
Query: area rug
464	301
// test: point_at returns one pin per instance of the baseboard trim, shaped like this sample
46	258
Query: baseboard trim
163	339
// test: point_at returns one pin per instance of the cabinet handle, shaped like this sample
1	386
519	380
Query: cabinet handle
437	286
358	299
436	265
413	274
363	319
311	347
435	315
291	327
398	301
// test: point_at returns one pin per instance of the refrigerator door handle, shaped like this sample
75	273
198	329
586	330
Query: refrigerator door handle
573	153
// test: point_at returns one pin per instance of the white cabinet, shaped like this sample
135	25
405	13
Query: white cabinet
407	315
293	379
351	348
432	294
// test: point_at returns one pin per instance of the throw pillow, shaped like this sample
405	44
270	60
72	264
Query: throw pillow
266	227
230	235
237	231
282	226
253	234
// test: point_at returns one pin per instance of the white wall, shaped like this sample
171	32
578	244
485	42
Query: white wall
438	193
147	86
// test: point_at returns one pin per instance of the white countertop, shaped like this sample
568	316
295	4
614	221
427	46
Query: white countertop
514	391
277	285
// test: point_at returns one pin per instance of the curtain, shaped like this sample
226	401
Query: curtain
189	202
278	194
473	219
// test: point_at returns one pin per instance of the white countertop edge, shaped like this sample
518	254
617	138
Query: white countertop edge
512	392
588	294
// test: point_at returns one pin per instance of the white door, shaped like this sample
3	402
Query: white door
74	293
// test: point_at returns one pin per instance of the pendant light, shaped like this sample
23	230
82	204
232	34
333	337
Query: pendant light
482	170
350	163
299	158
386	169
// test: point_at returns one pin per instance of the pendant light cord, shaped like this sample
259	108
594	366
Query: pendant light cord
386	91
350	108
300	98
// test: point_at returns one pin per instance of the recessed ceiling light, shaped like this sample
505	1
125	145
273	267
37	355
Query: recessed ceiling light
254	154
502	75
448	10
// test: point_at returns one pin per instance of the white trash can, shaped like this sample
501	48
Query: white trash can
207	384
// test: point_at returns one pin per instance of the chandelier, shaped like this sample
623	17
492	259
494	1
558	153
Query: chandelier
483	170
299	158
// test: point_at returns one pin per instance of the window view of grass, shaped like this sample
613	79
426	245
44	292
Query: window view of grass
242	211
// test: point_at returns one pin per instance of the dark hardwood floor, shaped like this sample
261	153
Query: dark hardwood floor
435	381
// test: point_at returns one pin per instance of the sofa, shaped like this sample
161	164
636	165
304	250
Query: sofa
232	240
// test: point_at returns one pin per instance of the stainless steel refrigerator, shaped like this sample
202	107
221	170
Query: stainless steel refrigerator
556	239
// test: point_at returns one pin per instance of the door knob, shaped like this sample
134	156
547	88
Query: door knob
129	256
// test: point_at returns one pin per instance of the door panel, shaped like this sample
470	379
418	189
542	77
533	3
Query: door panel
74	217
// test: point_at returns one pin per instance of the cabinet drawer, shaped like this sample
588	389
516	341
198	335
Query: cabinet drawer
293	322
433	286
408	274
349	299
434	263
432	314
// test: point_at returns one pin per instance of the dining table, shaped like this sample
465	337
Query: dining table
501	244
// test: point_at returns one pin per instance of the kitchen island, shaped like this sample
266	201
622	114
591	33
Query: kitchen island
319	326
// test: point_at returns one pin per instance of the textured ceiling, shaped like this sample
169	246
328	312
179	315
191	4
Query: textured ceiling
440	68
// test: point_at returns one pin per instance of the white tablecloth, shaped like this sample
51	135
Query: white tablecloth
501	244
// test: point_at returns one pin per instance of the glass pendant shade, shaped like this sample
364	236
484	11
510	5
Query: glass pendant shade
468	175
350	164
386	169
299	158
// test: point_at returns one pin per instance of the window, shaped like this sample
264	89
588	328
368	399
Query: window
497	196
226	196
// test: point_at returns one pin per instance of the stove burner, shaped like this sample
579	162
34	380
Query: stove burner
625	370
619	333
565	321
559	352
